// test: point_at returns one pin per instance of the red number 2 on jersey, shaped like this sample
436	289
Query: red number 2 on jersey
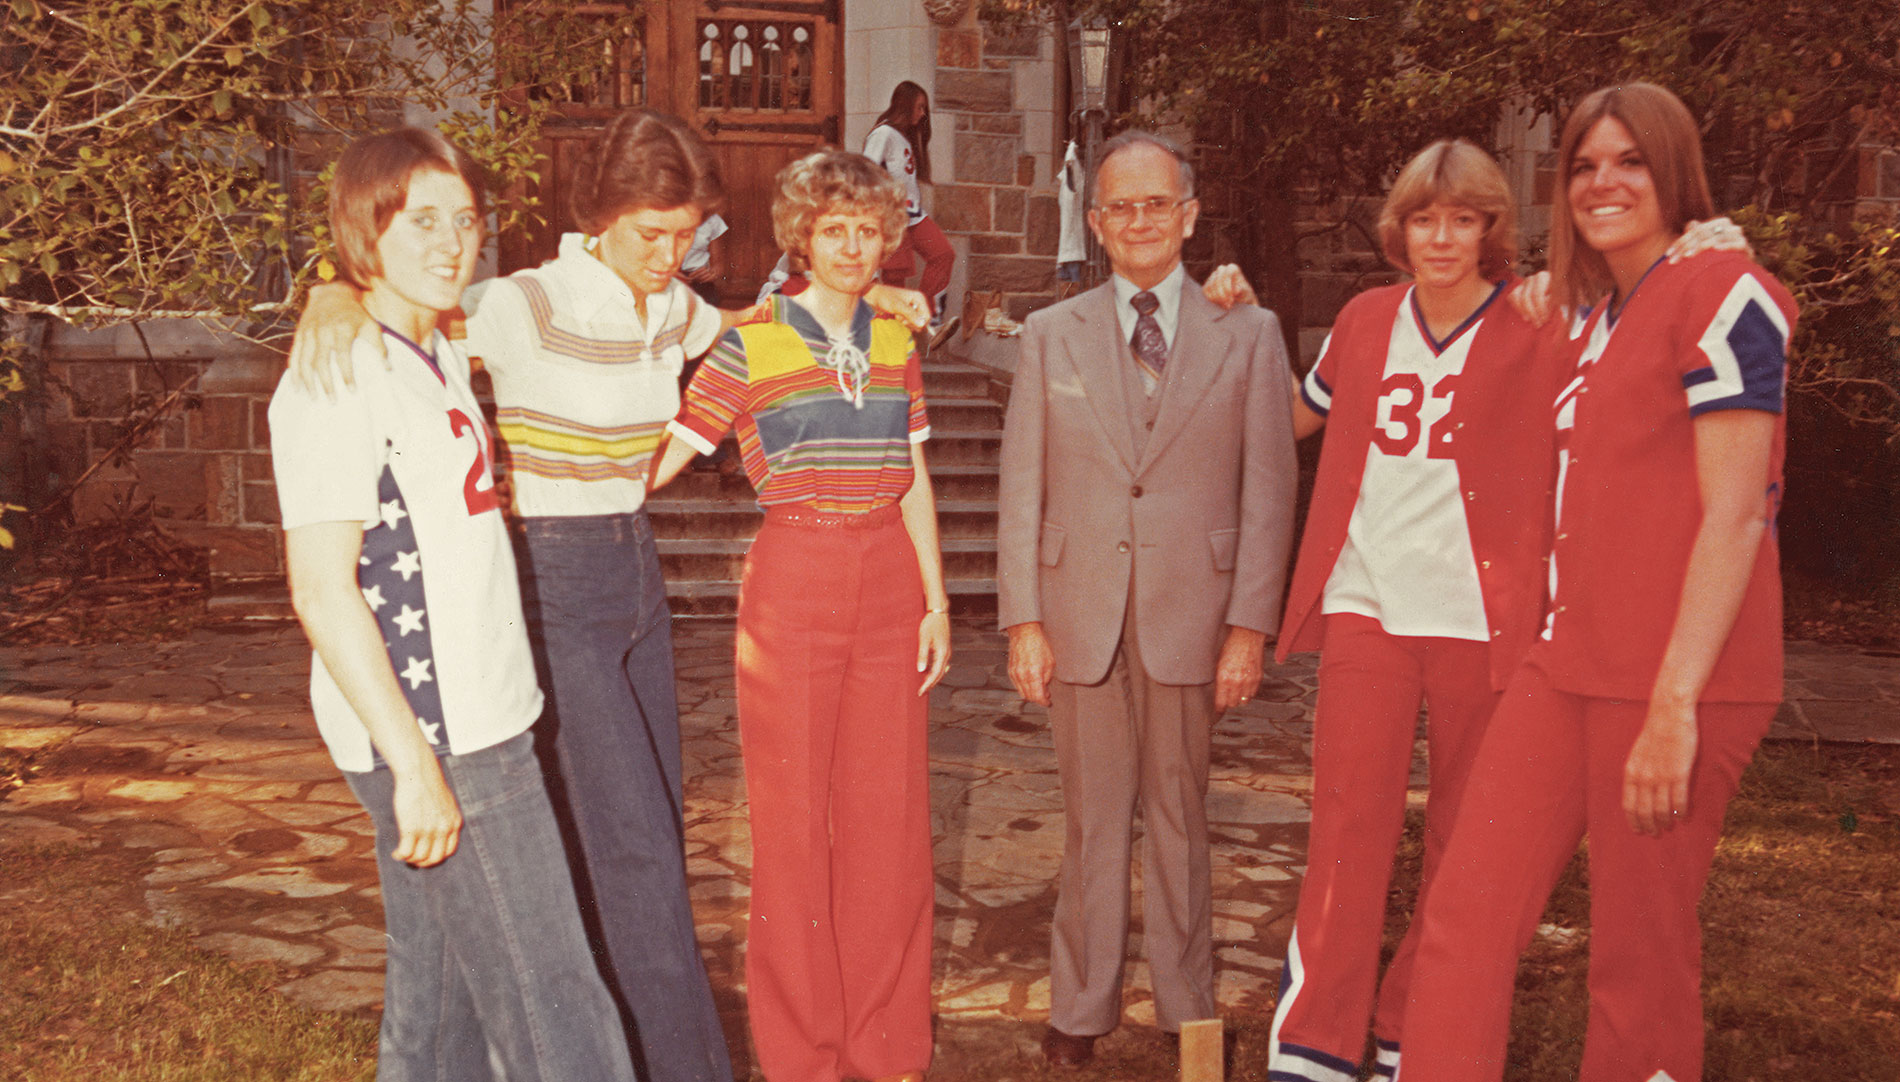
1401	401
478	489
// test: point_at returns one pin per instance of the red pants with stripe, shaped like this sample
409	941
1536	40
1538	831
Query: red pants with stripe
833	736
1550	771
1370	687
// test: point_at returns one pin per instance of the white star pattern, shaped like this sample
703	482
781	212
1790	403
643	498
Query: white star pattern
409	620
429	730
393	513
407	564
417	673
362	561
373	597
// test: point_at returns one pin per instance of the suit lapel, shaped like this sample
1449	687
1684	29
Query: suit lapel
1095	351
1201	346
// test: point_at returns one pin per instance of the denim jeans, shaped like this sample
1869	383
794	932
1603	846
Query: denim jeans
486	949
603	641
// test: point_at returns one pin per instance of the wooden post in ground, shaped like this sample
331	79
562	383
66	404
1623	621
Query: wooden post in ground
1201	1051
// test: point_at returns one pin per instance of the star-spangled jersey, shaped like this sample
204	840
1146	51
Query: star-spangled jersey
1695	337
1407	561
887	147
406	454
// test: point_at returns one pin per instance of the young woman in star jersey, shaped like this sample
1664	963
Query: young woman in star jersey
585	354
1658	666
422	682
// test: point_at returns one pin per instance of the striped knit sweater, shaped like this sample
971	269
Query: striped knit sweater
789	395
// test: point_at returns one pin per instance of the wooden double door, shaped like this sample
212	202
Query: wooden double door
759	81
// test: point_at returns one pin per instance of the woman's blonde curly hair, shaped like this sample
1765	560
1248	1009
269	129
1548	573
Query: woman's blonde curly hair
826	181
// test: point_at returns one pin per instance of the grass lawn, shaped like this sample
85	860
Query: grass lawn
88	994
1802	980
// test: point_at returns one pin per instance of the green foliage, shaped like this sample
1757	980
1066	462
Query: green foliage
1847	281
1794	99
157	156
146	147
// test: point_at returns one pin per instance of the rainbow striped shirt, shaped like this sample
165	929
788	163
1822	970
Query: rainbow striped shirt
584	386
801	437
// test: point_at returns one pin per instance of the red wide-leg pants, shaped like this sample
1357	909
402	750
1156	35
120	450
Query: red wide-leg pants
832	732
925	240
1549	771
1370	687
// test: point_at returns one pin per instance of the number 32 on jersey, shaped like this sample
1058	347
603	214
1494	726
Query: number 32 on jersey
1410	415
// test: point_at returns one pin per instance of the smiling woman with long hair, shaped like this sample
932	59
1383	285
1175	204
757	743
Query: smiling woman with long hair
422	684
1659	664
843	628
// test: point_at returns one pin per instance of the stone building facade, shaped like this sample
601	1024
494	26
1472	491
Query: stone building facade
204	468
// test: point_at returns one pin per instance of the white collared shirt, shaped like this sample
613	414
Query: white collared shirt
1167	291
584	386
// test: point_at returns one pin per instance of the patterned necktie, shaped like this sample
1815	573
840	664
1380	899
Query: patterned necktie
1151	349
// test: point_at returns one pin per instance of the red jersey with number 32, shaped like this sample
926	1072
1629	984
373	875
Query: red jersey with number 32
1429	511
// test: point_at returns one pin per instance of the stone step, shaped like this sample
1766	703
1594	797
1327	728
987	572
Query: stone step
250	601
963	446
968	597
723	519
694	559
964	413
951	480
955	381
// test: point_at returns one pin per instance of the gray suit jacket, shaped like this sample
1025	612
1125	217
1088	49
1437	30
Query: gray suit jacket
1201	518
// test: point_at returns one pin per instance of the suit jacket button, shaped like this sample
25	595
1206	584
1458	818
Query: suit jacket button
1123	547
1135	492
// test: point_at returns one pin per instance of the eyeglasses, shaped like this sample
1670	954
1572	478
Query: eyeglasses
1123	211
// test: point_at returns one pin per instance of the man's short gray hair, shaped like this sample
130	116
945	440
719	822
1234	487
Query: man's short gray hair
1137	137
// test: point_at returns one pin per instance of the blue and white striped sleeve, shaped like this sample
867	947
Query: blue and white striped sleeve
1745	347
1314	390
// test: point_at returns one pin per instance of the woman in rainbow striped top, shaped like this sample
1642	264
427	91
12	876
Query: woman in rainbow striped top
585	353
843	627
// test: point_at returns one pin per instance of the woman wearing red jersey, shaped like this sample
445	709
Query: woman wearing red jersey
1659	664
1418	577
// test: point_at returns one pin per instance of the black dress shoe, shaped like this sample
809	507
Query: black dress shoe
1066	1050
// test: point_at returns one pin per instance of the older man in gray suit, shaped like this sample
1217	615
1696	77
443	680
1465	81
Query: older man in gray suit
1146	514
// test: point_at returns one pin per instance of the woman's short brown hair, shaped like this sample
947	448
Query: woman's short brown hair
644	159
1667	137
371	184
826	181
1456	172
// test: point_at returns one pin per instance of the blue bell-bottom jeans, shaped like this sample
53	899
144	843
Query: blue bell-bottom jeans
603	641
486	950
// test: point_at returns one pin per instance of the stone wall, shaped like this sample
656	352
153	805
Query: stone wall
994	186
203	466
